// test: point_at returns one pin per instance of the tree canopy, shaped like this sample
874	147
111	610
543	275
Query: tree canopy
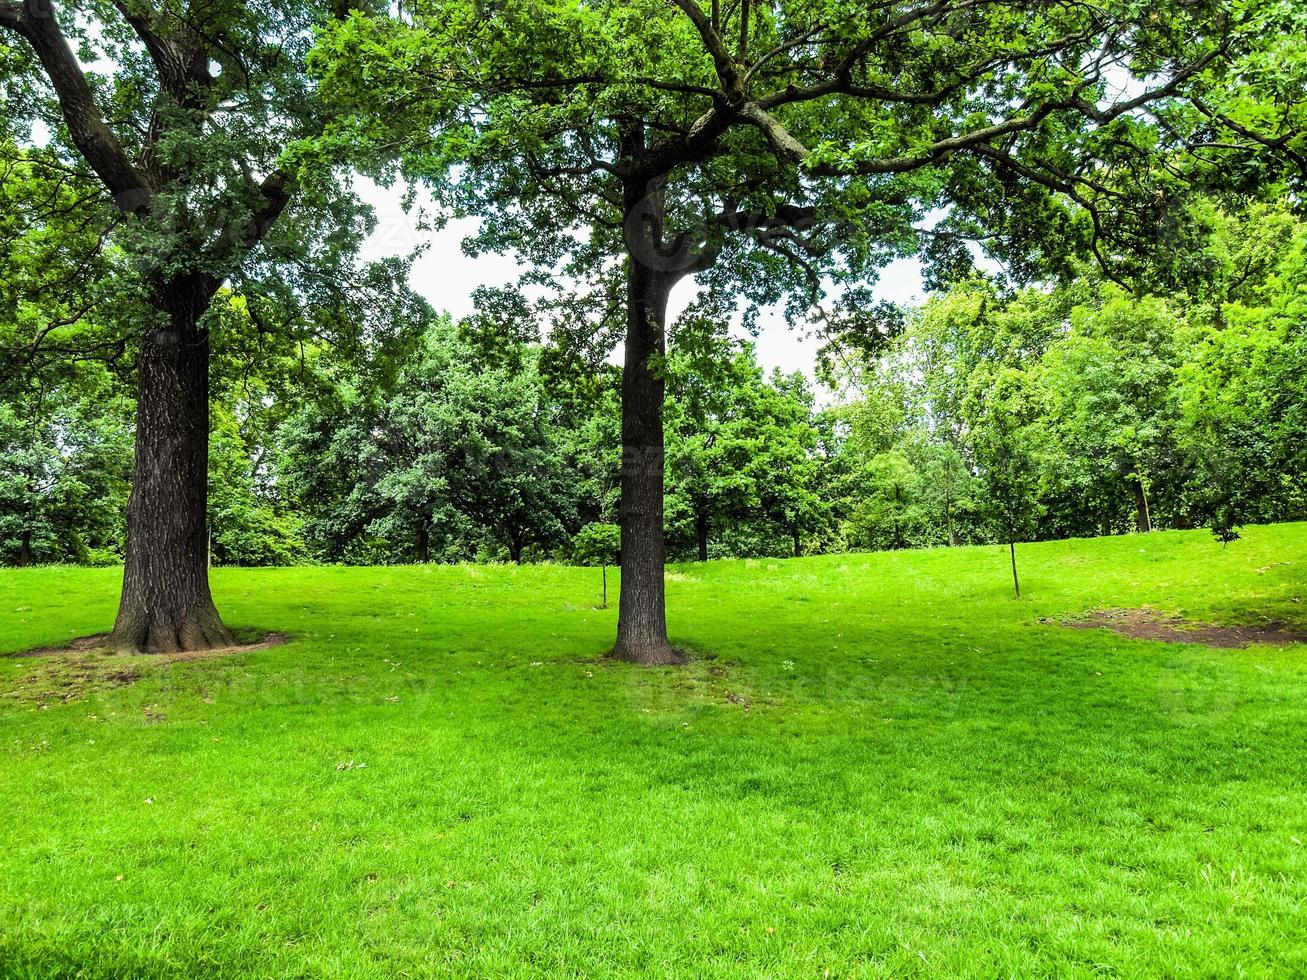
346	453
782	153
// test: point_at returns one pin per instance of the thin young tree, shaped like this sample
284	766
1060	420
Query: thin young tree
1005	447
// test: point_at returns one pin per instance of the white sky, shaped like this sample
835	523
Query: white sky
447	277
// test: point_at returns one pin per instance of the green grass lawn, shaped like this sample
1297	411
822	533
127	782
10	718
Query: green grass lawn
875	765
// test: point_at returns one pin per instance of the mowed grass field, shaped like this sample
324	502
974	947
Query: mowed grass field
875	765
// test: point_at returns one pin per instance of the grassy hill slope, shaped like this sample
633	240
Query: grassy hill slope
875	765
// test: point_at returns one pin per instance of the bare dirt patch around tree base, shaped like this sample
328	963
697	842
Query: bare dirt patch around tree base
86	667
255	640
1149	624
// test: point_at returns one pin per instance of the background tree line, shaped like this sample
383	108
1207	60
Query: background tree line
992	415
174	165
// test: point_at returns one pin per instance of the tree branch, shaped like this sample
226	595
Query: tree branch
728	72
1063	184
275	190
788	148
1278	144
36	24
163	52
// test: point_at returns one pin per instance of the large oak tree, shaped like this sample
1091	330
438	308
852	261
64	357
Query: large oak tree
777	150
174	118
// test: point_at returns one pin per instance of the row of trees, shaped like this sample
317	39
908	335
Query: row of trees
172	150
1089	410
992	416
423	447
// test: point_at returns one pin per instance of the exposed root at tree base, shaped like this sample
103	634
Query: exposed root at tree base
99	643
139	633
1148	624
660	655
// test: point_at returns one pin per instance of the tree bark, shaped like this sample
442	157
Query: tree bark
701	532
25	548
166	605
424	544
1012	550
642	616
1144	520
798	544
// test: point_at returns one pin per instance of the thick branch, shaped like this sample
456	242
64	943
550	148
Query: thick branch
786	216
275	192
789	148
1277	144
728	71
1060	183
785	146
1091	111
696	145
575	81
91	135
167	59
842	83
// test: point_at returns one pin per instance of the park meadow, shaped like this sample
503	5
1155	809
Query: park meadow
873	765
653	488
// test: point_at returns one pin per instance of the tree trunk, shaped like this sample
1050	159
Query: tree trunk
424	544
29	515
166	604
701	531
798	544
1012	550
1144	520
642	616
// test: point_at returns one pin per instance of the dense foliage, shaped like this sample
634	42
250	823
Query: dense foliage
1088	410
994	415
188	158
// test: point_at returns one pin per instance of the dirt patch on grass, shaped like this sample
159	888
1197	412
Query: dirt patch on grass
67	681
95	644
268	640
702	681
61	675
1148	624
82	644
